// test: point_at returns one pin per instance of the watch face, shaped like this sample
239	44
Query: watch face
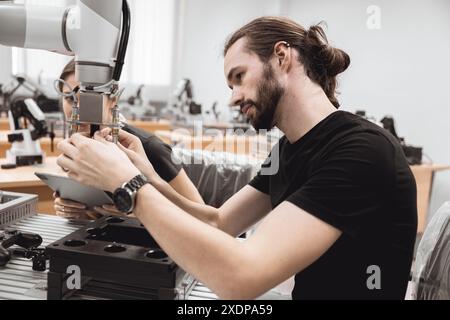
123	200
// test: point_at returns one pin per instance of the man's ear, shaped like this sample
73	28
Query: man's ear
283	54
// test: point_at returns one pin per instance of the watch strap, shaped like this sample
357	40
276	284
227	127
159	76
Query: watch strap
136	183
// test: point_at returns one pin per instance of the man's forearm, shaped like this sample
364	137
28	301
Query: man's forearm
202	212
210	255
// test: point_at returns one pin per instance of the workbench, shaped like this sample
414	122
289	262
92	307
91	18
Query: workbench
150	126
19	282
23	180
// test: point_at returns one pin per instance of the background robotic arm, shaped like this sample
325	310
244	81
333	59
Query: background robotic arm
95	31
28	125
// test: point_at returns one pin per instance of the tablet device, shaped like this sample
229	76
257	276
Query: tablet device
72	190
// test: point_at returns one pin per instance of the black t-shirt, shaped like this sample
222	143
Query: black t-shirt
158	153
353	175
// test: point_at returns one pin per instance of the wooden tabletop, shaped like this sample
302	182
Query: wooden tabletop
146	125
430	167
25	177
4	124
151	126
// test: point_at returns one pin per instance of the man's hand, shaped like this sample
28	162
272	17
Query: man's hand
133	148
96	162
129	141
72	210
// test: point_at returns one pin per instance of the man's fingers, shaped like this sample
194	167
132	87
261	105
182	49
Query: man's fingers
128	152
78	139
70	203
84	134
86	215
126	138
126	135
67	149
98	136
105	132
70	210
67	215
72	175
66	163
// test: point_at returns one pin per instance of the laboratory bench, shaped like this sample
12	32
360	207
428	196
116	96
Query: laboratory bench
51	151
150	126
23	180
18	281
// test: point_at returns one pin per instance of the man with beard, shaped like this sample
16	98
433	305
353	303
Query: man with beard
340	212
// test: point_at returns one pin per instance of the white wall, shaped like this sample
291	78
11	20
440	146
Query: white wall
205	25
5	64
402	70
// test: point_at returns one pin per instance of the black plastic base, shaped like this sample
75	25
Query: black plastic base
24	161
117	259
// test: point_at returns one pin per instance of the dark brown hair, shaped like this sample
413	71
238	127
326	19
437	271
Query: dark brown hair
321	61
68	70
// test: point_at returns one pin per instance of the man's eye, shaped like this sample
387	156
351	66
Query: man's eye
239	76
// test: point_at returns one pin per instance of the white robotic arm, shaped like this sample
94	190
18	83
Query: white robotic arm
90	30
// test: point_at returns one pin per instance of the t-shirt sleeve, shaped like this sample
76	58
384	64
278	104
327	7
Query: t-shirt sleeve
158	153
262	181
352	185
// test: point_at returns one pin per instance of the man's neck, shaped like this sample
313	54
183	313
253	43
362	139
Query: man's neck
301	109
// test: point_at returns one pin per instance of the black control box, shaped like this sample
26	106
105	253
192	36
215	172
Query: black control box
116	259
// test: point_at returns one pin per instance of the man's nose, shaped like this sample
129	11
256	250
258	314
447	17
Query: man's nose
236	98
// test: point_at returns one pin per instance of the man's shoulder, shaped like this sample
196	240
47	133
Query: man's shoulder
369	129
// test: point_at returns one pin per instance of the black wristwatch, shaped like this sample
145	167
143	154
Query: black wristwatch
125	197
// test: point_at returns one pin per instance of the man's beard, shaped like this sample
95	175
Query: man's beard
269	95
